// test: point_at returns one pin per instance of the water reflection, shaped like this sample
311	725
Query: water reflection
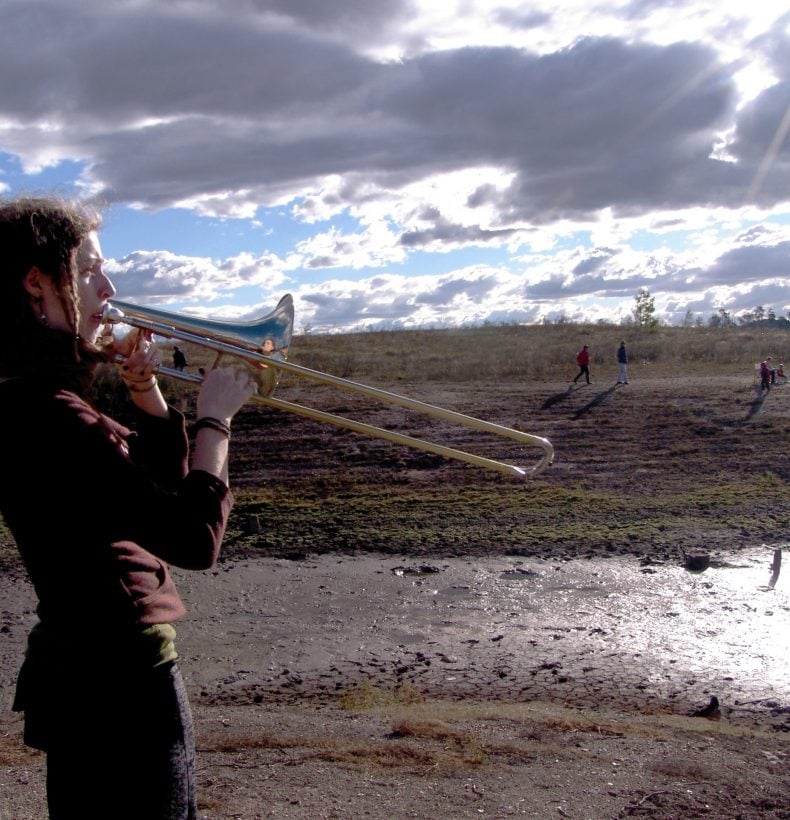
589	632
725	625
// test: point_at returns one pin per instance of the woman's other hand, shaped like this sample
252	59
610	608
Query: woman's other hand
223	392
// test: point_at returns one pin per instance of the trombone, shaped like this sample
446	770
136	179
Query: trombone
263	345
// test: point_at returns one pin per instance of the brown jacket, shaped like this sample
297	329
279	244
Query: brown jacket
98	511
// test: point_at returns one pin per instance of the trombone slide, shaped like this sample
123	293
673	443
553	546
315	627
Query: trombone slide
245	341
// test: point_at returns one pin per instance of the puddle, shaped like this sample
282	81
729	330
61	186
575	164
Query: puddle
416	571
582	630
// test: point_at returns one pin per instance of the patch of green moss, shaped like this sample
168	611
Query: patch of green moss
494	518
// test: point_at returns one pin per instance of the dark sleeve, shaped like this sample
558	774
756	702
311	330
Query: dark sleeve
178	516
160	446
189	531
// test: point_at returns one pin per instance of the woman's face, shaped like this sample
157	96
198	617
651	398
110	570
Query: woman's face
93	287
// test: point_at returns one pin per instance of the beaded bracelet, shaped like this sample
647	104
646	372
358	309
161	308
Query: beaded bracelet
207	422
131	386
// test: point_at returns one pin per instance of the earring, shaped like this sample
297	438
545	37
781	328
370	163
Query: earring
42	317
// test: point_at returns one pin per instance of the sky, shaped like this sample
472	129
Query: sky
402	164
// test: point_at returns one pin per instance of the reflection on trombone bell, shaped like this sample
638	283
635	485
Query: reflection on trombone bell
263	345
269	348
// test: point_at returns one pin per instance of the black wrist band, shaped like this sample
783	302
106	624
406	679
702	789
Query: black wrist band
213	424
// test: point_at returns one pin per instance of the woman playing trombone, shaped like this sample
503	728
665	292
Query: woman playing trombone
98	511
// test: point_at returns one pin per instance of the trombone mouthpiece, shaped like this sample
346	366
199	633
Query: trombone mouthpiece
112	314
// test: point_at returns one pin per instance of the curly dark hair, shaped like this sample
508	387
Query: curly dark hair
44	233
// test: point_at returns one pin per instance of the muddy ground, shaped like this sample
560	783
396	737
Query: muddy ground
392	635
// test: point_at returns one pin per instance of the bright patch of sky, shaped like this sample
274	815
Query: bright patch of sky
61	177
399	164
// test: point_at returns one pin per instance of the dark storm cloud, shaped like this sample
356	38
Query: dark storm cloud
447	290
365	17
157	63
750	264
521	19
762	135
594	261
223	108
444	232
249	109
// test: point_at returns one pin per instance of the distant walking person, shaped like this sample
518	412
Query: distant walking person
179	359
622	360
766	374
583	360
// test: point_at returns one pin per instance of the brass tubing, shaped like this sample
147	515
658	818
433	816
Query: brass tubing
183	328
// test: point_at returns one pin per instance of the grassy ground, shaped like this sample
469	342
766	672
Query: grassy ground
662	464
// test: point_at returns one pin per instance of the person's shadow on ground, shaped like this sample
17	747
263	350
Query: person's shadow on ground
558	397
755	406
599	399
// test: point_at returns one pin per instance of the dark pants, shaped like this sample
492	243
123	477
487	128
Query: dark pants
584	370
119	747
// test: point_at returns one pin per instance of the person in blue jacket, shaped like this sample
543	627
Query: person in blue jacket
622	361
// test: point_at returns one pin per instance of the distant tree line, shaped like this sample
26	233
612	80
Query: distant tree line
759	317
644	317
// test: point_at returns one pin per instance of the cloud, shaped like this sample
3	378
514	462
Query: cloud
553	138
171	106
153	277
592	285
443	232
751	264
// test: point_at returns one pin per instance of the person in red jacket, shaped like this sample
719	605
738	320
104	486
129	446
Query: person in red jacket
98	511
583	360
766	374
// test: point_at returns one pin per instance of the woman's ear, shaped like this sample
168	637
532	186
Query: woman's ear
34	283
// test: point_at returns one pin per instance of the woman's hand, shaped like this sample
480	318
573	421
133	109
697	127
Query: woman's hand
223	392
138	371
141	358
127	344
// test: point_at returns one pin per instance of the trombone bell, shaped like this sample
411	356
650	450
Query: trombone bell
267	337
